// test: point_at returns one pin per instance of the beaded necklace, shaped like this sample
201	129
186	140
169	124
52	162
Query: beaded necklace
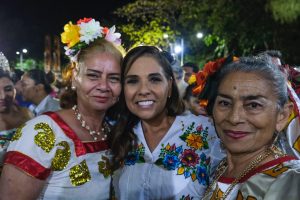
95	134
222	167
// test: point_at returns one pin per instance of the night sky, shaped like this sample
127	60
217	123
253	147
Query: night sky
24	23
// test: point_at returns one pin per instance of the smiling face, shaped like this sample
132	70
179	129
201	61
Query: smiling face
98	81
147	89
246	112
7	94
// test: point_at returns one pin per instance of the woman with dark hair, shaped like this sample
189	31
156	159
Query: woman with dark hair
248	102
162	153
66	154
11	115
36	88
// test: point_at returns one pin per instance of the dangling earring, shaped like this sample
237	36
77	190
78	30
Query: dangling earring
274	147
73	88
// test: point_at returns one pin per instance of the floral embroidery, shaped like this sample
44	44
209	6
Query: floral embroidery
188	162
169	156
189	158
136	156
195	139
203	170
105	167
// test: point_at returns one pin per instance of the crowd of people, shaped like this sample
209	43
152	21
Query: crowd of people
137	125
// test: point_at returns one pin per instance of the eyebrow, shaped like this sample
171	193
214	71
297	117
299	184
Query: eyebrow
8	87
100	72
249	97
135	76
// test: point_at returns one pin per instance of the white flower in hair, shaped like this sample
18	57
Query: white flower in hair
112	36
90	31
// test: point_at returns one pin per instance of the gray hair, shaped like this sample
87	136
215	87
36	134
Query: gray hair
259	65
265	68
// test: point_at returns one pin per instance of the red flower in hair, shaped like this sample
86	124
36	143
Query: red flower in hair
201	77
105	30
84	20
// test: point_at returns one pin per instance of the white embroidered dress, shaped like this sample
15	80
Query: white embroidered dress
178	168
48	149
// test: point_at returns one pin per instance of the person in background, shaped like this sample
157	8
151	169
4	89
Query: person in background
177	72
160	152
17	75
189	69
65	154
36	88
11	115
248	102
192	102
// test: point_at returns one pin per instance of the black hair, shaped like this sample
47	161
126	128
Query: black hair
123	139
6	74
40	77
192	65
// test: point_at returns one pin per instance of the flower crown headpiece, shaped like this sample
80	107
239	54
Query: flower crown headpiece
201	77
80	35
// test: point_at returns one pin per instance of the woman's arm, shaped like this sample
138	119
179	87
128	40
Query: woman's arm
16	184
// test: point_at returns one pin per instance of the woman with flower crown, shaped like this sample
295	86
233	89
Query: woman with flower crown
248	102
162	152
65	154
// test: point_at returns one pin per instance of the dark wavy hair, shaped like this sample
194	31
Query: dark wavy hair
124	139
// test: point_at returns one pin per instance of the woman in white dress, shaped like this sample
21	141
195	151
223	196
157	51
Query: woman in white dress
162	152
65	154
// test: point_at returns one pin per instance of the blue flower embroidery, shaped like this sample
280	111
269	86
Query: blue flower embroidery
202	175
131	159
136	156
170	162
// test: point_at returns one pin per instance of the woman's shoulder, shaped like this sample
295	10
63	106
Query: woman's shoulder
45	118
26	113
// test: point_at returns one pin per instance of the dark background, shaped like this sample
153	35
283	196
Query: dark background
24	24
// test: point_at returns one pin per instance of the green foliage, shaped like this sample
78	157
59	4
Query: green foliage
241	27
29	64
151	33
285	11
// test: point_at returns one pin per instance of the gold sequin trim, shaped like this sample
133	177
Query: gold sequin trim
18	133
80	174
104	167
62	157
45	138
